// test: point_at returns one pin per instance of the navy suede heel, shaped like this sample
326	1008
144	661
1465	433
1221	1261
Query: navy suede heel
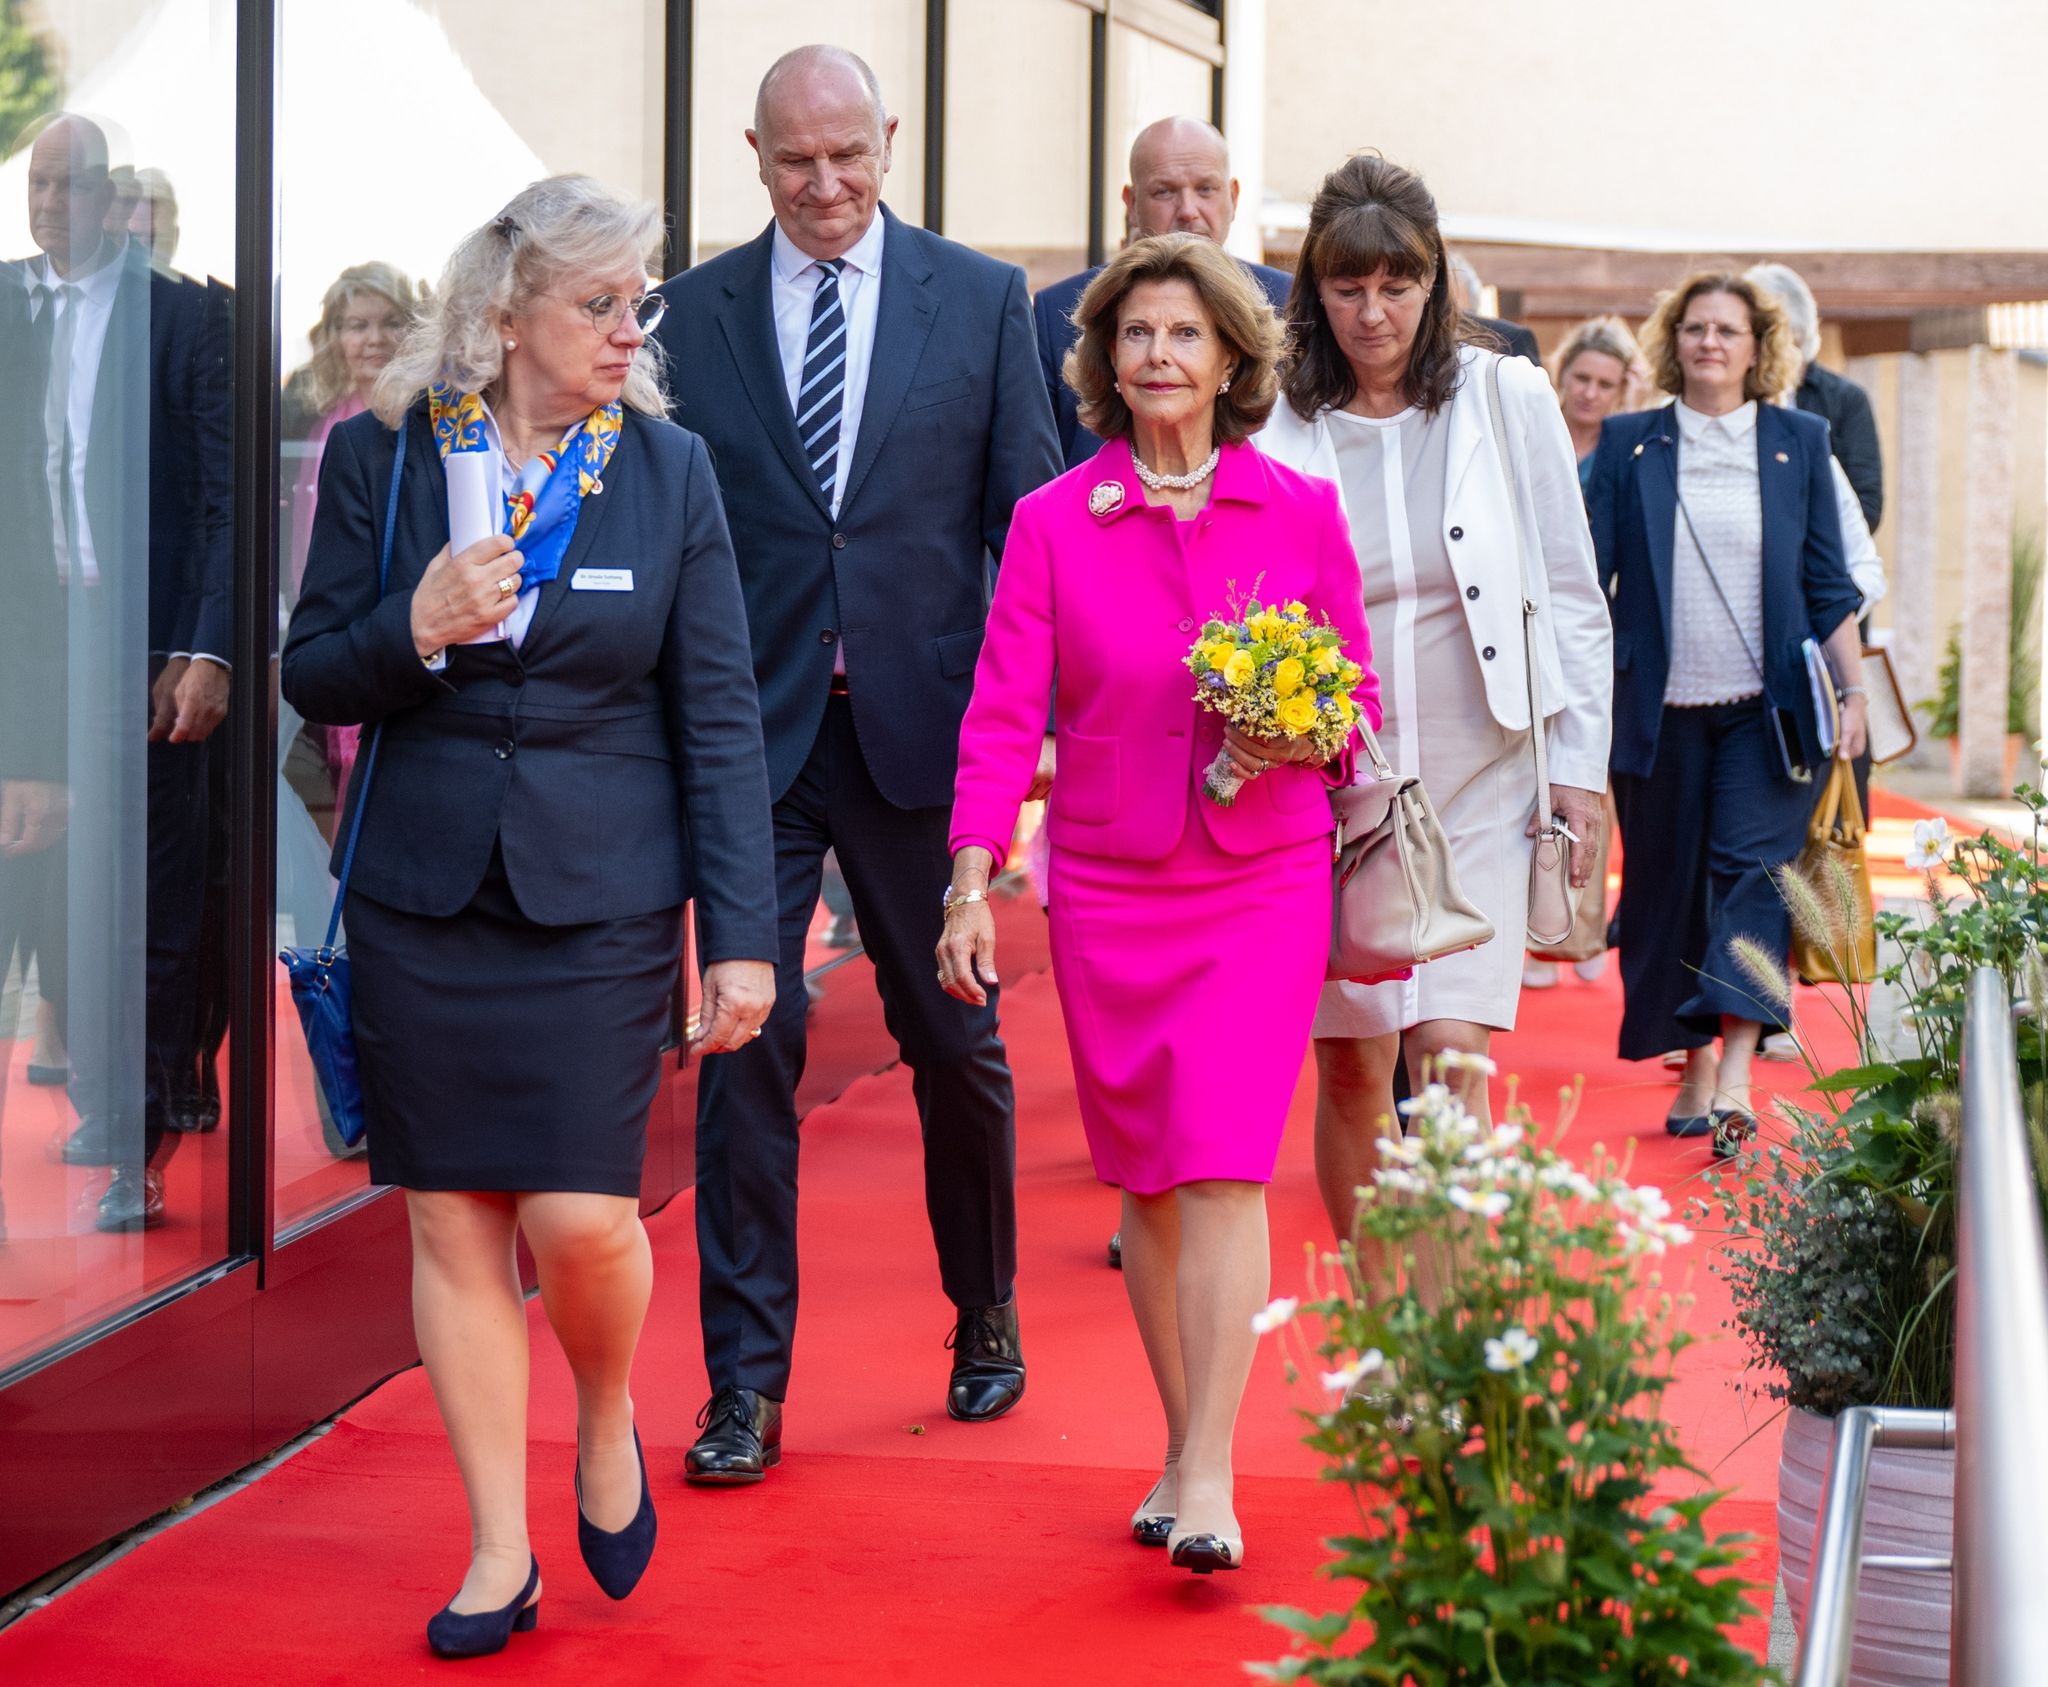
480	1633
618	1558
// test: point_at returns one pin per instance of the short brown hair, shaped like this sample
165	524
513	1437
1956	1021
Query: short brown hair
1368	216
1243	318
1778	363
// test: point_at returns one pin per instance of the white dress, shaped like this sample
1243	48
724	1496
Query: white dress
1480	776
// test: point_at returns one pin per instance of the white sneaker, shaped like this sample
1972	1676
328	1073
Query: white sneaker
1591	972
1779	1045
1539	975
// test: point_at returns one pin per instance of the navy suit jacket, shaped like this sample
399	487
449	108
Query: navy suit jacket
1807	593
614	757
1053	318
954	429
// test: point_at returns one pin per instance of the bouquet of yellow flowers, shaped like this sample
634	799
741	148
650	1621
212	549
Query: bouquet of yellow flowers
1272	672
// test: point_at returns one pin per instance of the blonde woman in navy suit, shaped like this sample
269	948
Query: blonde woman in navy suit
570	751
1717	527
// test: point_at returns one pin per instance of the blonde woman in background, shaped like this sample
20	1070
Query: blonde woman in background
1598	372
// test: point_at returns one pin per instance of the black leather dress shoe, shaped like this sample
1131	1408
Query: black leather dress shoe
988	1363
742	1439
94	1142
133	1201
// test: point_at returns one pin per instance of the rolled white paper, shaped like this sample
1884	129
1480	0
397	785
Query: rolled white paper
473	514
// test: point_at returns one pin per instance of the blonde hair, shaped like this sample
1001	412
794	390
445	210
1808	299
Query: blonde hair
326	374
550	231
1609	336
1777	366
1244	321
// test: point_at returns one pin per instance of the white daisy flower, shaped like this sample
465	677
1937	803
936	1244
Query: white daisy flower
1277	1312
1510	1351
1930	845
1348	1377
1490	1205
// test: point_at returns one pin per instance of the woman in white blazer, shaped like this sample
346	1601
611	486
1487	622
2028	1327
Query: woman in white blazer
1387	396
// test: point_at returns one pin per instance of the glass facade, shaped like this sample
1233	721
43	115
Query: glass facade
116	662
216	218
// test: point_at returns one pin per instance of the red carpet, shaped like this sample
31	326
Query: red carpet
894	1546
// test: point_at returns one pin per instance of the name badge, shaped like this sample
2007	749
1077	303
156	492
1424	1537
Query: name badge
601	580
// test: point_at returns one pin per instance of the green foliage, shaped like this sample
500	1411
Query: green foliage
29	86
1501	1431
2023	652
1843	1276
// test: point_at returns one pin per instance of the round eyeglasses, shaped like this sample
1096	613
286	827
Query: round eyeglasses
609	310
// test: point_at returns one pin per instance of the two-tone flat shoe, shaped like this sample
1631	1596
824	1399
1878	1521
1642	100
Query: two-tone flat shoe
1689	1124
1734	1129
477	1634
1149	1525
1205	1553
618	1558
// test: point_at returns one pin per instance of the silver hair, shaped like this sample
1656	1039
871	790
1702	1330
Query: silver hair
814	58
1802	315
552	231
1467	277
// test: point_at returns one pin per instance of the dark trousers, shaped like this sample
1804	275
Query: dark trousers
896	866
1702	836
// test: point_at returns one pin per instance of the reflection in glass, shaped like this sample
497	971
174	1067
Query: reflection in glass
116	556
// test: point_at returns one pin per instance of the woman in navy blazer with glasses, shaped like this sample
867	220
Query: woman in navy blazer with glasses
1718	538
570	749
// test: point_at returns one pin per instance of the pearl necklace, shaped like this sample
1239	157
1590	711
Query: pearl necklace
1177	482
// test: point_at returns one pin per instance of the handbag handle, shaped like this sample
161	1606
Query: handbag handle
1538	721
355	825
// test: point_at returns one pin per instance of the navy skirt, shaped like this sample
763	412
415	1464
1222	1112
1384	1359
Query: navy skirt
498	1054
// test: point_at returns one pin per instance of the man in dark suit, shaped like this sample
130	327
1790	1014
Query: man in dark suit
1837	400
873	411
1180	184
130	408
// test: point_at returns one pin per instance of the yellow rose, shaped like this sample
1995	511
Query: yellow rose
1287	678
1219	653
1297	609
1297	714
1328	660
1346	708
1239	669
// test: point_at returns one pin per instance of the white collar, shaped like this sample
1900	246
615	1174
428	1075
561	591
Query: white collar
865	254
1739	423
97	283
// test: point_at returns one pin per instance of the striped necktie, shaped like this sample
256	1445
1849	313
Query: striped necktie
818	399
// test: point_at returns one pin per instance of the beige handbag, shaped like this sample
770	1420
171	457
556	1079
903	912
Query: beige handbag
1553	904
1397	901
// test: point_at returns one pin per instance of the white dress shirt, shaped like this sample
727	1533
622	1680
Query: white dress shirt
796	276
93	300
1715	649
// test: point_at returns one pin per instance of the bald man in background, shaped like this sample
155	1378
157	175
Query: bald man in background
1180	184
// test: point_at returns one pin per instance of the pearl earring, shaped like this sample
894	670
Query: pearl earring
511	345
1220	391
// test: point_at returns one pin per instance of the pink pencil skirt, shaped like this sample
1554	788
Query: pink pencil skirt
1188	986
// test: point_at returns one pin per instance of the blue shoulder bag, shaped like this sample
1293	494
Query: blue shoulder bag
320	977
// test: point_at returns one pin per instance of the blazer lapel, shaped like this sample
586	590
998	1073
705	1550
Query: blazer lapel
748	323
589	518
903	322
1777	482
1471	424
1657	488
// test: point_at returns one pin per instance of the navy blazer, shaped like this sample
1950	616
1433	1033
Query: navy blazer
614	757
1053	322
1632	505
954	429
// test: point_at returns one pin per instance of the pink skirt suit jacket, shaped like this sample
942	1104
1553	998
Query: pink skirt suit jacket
1188	940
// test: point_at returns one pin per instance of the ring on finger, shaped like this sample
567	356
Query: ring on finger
508	585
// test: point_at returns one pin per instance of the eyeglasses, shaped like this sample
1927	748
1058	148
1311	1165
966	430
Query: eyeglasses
608	310
1698	333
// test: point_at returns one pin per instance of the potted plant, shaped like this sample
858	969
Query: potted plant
2023	667
1525	1514
1842	1228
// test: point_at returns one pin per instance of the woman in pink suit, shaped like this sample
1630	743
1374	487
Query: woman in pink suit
1189	940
